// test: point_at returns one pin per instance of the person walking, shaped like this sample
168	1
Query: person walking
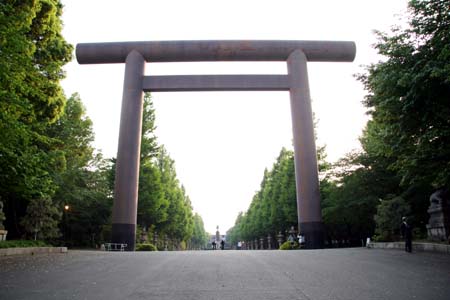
222	244
406	232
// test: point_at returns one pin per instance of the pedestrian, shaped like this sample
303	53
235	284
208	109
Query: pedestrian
291	239
239	245
214	245
406	232
301	240
222	244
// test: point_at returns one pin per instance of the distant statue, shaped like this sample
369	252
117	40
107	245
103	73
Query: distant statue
439	198
217	234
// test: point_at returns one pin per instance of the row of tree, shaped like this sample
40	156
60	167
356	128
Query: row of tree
405	152
53	184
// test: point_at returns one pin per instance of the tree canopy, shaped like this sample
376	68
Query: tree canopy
31	58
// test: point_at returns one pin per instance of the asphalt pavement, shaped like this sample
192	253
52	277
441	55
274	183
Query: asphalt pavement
356	273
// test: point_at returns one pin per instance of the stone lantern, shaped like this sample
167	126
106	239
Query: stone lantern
280	239
269	242
438	226
155	238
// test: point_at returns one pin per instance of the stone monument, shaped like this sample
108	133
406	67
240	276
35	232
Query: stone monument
438	226
218	239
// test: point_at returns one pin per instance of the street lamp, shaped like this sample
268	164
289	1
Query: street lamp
64	231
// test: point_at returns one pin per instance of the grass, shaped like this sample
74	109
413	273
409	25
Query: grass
22	244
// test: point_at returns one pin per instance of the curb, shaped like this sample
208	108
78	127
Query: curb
32	250
419	247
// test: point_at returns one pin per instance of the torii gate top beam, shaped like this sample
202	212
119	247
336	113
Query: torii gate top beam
217	50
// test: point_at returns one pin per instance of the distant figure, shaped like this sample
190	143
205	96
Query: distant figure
301	239
291	239
222	244
239	245
214	244
406	232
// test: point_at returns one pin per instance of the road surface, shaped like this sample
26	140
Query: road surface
355	273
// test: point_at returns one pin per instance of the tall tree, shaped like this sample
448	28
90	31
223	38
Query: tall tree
274	207
199	236
31	59
409	131
152	205
83	183
408	95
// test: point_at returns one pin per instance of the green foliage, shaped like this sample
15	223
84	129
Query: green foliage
146	247
349	201
42	218
46	157
289	246
406	141
31	59
389	217
408	96
199	237
274	207
152	205
180	224
83	182
22	244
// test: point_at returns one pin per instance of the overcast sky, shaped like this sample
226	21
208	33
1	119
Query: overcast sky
222	141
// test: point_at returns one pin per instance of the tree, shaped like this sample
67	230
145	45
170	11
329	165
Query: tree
274	207
82	183
199	236
408	135
179	224
152	205
31	58
389	216
408	95
42	219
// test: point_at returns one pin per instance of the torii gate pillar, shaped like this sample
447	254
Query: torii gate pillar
305	156
136	54
128	154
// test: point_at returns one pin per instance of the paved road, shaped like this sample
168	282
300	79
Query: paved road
315	274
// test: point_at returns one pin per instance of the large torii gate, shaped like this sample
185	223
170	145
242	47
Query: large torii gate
136	54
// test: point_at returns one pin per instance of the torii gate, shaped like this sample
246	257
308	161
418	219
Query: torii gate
136	54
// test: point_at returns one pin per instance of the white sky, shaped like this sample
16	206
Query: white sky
222	141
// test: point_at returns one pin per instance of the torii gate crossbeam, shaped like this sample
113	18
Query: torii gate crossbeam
136	54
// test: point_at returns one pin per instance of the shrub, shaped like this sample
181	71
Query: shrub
22	244
287	246
146	247
389	217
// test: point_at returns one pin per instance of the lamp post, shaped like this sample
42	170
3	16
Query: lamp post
65	211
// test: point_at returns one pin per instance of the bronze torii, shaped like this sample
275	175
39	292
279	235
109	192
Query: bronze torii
136	54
